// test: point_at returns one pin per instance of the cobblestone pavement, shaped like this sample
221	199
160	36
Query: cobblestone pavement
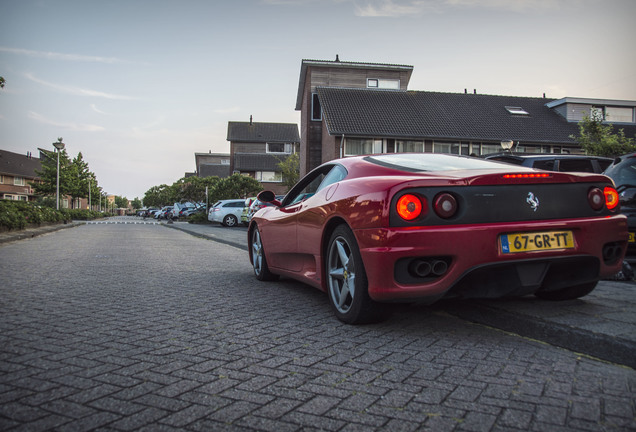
137	327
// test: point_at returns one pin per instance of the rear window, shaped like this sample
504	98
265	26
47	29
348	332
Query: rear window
418	162
623	173
576	165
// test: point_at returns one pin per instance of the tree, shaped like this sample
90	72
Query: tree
235	186
2	82
598	139
48	174
121	202
158	196
290	168
79	177
136	204
192	189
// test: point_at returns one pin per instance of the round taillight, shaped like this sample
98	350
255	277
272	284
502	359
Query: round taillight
611	197
596	198
445	205
409	207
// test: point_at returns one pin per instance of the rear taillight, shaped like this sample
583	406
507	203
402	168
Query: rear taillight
611	197
409	207
445	205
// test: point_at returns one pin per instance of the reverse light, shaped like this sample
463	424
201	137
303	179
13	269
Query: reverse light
445	205
596	198
409	207
611	197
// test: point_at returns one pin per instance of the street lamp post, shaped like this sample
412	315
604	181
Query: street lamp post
59	145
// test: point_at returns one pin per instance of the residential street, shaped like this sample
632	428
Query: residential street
138	327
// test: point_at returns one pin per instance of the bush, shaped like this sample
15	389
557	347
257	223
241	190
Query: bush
17	215
200	217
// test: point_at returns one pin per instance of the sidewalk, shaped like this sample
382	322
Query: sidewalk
601	324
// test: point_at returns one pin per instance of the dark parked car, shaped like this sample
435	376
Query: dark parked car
554	161
421	227
623	172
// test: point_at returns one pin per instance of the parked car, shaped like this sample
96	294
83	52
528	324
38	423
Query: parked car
246	209
623	172
421	227
163	213
227	212
257	205
554	161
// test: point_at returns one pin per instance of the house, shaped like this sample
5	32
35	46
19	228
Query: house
17	171
256	149
350	108
212	164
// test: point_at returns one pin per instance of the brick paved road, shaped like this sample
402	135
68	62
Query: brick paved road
139	327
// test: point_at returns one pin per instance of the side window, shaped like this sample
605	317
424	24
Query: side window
334	176
544	164
312	183
576	165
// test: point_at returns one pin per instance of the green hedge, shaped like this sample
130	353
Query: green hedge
17	215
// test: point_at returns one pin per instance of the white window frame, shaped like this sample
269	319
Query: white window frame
269	176
287	148
383	83
18	181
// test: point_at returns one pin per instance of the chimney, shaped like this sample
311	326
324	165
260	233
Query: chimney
250	120
337	58
474	91
465	91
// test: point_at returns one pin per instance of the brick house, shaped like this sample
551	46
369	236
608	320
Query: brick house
212	164
350	108
256	149
17	171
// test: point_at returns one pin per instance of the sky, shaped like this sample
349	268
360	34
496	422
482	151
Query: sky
140	86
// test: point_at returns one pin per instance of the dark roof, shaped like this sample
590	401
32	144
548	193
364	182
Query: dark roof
456	116
258	161
210	170
262	132
342	64
19	165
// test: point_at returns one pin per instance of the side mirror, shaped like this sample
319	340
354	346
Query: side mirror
268	197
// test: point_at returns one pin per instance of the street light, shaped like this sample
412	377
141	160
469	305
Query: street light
59	145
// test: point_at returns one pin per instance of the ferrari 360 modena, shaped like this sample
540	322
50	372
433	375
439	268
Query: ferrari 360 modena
375	229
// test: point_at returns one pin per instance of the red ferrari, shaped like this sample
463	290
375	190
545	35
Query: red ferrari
421	227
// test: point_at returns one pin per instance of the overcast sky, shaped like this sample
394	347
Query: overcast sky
139	86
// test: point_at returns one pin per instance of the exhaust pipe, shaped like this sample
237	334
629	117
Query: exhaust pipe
420	268
439	267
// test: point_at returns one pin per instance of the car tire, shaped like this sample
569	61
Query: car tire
569	293
347	284
230	221
259	261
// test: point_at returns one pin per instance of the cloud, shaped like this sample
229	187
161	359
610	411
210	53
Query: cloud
399	8
97	110
69	126
60	56
77	90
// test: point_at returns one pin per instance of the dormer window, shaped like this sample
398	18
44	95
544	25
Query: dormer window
515	110
382	83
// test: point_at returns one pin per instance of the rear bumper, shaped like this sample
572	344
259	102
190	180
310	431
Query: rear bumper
476	266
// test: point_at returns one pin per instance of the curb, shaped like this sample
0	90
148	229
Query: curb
10	236
601	346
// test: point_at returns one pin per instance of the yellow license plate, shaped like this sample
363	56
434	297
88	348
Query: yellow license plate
536	241
632	237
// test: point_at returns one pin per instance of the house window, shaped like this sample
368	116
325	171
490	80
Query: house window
409	147
619	114
18	181
361	146
268	176
316	111
1	179
279	148
382	83
517	110
225	161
